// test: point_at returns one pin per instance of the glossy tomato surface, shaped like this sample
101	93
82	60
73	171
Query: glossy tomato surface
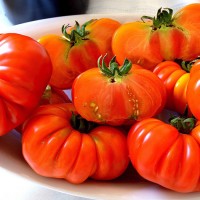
25	70
175	79
133	41
187	19
193	90
118	99
166	36
163	155
54	148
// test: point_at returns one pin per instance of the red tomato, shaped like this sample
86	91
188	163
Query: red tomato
50	96
25	70
78	49
118	94
193	91
163	37
182	85
165	155
175	79
54	146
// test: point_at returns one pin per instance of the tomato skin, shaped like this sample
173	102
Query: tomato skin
60	151
175	80
22	82
188	19
163	155
147	45
138	95
50	96
182	87
193	90
131	41
69	60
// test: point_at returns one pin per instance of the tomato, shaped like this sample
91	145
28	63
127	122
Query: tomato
54	96
193	90
50	96
166	36
166	155
25	70
117	94
181	82
78	49
175	79
187	19
55	147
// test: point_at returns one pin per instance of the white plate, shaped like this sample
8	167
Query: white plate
129	186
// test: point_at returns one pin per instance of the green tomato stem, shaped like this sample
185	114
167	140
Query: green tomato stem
78	34
114	70
182	124
80	124
164	17
186	65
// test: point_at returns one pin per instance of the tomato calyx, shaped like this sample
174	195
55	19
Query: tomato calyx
187	65
77	34
164	17
114	70
80	124
183	124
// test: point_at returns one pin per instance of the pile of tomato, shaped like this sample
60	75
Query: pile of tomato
123	78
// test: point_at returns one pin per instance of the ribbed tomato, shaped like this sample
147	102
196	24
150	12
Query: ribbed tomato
166	154
78	49
175	79
163	37
118	94
58	143
182	85
25	71
193	91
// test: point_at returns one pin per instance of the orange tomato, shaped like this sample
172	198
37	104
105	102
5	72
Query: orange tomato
187	19
118	94
25	70
78	49
193	91
182	85
175	79
163	37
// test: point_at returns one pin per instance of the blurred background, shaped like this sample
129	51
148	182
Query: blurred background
14	12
